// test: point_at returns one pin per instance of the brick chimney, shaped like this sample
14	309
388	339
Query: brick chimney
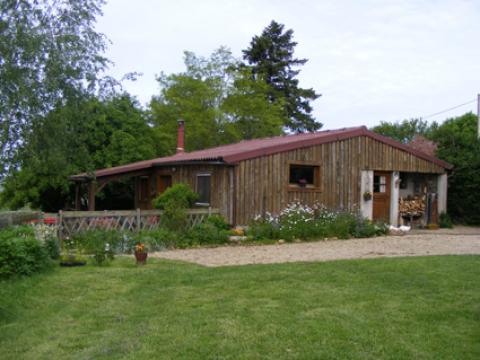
180	137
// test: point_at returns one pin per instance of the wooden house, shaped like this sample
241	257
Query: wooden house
349	168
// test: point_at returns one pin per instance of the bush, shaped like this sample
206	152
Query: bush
445	221
218	221
20	252
99	243
157	240
262	229
204	234
181	195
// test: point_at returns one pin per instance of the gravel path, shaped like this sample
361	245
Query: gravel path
441	242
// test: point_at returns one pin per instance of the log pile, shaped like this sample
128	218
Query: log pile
412	207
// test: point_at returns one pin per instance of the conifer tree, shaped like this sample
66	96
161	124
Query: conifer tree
271	56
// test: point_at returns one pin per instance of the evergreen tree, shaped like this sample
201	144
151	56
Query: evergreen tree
271	55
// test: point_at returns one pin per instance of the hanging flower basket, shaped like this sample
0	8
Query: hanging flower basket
367	195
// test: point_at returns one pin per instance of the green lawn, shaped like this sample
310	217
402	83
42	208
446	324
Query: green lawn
404	308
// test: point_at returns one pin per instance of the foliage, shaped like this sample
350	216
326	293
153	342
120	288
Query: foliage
50	53
20	252
159	239
99	243
218	221
405	130
220	102
445	221
298	221
80	136
205	234
175	201
271	57
458	144
181	195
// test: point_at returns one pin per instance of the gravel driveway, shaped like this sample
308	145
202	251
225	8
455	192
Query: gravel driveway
461	240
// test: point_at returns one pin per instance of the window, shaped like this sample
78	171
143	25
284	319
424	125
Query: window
203	189
303	175
379	184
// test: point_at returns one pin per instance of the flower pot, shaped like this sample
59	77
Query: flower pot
141	257
367	196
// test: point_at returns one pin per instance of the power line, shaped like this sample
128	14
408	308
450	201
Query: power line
449	109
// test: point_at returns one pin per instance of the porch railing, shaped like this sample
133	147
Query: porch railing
71	222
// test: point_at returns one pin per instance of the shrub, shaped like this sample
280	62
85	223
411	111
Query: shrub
157	240
20	252
218	221
445	221
99	243
181	195
264	228
204	234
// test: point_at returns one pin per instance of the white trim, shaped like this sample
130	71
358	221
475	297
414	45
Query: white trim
394	197
366	206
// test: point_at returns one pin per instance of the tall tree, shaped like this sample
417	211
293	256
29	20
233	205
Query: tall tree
220	102
81	136
49	53
271	55
458	144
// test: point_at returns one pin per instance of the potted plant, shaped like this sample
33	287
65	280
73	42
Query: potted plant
367	195
141	253
302	182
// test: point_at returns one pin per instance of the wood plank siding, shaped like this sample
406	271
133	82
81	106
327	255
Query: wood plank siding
262	183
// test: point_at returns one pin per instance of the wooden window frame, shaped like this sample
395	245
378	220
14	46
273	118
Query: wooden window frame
317	185
197	175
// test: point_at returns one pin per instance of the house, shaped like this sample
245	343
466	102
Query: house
349	168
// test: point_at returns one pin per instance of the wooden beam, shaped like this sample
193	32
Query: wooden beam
91	195
77	196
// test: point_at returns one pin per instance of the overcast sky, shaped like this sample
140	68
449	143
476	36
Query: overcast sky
370	60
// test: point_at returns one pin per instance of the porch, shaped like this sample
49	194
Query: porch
403	198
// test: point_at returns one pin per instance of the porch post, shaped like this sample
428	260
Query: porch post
442	184
77	196
366	206
394	198
91	195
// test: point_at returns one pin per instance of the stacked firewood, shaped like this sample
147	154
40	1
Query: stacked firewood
412	206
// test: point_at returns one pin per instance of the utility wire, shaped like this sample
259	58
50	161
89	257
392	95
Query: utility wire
446	110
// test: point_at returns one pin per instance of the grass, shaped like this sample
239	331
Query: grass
403	308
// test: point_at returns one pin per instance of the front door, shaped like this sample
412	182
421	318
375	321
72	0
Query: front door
381	196
163	183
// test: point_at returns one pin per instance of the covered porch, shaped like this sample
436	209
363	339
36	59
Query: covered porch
403	198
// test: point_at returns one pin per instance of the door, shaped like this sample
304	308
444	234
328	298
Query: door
381	196
163	183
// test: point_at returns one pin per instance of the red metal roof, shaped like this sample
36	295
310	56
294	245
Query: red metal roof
248	149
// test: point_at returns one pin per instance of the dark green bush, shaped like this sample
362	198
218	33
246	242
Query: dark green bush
218	221
445	221
52	246
102	244
20	252
262	230
204	234
181	195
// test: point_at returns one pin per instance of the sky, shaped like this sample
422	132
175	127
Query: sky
371	60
